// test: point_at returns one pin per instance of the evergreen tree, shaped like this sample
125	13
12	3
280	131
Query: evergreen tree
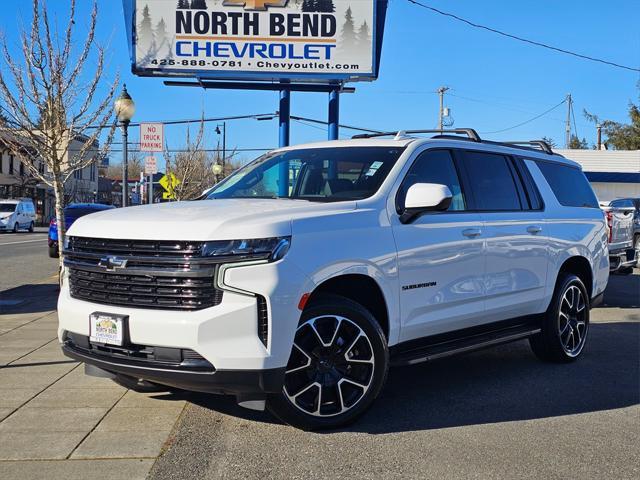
199	4
145	31
161	30
309	6
183	4
576	144
162	42
364	36
348	30
325	6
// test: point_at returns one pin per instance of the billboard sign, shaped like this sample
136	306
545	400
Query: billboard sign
273	40
151	137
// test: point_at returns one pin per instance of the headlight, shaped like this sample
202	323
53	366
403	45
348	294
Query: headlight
271	249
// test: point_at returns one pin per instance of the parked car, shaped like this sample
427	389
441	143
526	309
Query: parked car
304	275
622	254
635	204
71	214
17	214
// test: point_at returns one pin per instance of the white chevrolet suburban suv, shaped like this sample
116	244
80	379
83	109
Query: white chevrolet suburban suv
297	281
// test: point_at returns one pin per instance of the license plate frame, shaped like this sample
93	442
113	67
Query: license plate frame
108	328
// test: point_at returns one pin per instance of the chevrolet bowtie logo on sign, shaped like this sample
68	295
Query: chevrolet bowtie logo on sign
256	4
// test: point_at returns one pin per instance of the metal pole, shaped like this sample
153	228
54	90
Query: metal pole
568	124
441	91
125	164
599	136
285	124
224	144
334	114
150	189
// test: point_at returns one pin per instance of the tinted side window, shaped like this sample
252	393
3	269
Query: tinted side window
569	185
435	166
492	181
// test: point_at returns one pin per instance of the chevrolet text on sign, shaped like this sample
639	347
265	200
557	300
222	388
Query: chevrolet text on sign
278	38
151	137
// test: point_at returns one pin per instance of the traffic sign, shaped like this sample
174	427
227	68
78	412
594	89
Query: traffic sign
150	166
151	137
169	182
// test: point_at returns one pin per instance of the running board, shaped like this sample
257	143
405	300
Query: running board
401	355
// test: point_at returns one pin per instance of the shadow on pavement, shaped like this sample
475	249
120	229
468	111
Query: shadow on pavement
503	384
622	291
35	298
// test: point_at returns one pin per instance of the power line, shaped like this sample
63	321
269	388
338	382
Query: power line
530	120
521	39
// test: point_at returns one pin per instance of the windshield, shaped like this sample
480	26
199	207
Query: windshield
8	207
316	174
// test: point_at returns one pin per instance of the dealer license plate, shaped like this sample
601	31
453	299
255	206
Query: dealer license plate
106	328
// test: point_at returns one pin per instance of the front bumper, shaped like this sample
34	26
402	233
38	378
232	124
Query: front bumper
198	376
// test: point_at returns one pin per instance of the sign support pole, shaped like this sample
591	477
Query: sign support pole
150	189
334	114
285	126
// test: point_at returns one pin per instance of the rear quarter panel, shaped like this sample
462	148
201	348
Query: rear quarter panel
573	231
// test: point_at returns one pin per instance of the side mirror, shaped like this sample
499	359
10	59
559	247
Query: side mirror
425	197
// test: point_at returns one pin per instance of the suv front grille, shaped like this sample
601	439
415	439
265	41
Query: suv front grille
145	274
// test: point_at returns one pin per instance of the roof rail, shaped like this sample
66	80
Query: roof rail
541	144
469	132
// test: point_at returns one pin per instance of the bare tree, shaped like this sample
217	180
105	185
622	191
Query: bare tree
135	165
51	101
191	167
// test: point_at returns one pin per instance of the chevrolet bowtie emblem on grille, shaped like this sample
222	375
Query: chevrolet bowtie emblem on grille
112	262
256	4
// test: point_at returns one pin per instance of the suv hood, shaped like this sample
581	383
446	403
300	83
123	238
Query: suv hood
220	219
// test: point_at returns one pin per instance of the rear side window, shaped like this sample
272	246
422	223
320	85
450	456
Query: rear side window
492	181
569	185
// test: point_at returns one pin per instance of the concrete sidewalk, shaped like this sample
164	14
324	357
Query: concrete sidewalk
56	422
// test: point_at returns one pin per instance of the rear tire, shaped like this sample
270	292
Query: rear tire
31	227
565	325
337	368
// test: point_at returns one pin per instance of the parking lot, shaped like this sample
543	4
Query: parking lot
497	413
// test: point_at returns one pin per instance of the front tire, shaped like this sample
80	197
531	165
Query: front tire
565	325
15	227
337	368
31	227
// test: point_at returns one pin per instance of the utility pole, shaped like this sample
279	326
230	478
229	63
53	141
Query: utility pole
599	136
568	124
441	92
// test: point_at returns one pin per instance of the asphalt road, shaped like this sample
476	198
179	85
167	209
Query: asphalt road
24	260
497	413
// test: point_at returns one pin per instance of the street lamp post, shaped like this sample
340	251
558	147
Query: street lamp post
224	141
125	108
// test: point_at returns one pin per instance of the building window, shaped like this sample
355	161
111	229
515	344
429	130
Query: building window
10	164
1	161
21	169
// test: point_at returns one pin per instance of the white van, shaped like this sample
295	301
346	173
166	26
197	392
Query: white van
303	276
17	214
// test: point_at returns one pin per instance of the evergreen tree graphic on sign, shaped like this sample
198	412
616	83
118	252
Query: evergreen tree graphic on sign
145	37
198	4
161	39
348	30
183	4
318	6
364	37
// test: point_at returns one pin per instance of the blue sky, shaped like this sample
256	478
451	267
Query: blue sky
495	82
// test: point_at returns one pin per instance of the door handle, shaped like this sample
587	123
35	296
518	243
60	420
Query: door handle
534	229
472	232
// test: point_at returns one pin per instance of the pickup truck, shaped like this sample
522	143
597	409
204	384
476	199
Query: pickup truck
622	254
